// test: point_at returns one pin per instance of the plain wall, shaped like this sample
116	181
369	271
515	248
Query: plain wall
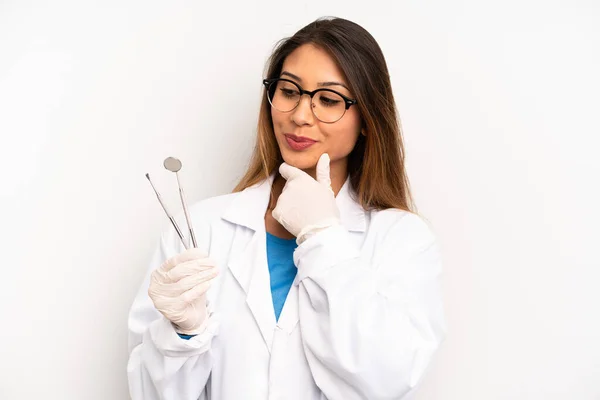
499	104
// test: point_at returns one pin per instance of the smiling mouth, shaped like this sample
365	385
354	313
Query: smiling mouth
298	143
299	139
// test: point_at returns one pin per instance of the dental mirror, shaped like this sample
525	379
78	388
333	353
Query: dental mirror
174	165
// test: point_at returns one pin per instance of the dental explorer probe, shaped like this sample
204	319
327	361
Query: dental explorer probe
174	165
168	215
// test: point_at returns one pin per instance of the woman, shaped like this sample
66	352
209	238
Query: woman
327	284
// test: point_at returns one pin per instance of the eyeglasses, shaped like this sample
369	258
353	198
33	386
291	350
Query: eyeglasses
327	105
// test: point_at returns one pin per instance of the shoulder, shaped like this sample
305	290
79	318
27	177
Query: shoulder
402	238
400	226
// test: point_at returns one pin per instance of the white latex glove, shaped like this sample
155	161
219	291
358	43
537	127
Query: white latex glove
178	290
306	206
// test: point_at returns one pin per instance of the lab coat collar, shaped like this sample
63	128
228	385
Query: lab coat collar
249	265
249	207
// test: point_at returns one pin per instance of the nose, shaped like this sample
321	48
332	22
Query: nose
303	114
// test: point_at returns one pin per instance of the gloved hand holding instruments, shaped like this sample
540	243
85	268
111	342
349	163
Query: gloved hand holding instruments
178	288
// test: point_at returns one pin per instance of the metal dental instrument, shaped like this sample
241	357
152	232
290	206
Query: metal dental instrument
168	215
174	165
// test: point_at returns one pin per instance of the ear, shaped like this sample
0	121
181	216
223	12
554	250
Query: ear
363	132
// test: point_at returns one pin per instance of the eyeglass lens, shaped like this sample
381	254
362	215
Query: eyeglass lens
327	106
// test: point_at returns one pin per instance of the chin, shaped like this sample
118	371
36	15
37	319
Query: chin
301	160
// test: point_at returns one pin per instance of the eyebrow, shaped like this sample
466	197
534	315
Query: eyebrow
329	83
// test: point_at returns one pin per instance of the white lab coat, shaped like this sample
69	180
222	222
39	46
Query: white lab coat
361	321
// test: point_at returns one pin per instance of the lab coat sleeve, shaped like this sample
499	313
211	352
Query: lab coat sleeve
371	323
161	364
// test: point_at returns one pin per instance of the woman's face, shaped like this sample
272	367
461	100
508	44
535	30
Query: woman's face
312	68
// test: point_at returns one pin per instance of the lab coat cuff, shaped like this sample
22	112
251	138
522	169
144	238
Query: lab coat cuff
323	251
168	343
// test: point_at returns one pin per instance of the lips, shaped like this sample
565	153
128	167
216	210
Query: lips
298	143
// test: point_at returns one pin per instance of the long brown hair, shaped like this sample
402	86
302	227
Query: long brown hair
376	164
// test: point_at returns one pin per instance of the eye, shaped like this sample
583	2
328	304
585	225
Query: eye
287	92
329	100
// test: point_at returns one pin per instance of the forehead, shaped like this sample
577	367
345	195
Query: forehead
313	65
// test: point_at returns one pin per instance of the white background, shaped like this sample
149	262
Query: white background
499	103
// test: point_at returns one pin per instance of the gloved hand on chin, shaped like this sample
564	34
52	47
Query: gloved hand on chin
306	206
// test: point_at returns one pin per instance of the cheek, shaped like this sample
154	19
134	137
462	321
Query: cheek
342	137
278	123
278	118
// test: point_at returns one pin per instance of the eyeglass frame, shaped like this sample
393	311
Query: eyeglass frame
347	100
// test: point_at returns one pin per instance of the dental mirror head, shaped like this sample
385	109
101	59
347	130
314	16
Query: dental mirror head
172	164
